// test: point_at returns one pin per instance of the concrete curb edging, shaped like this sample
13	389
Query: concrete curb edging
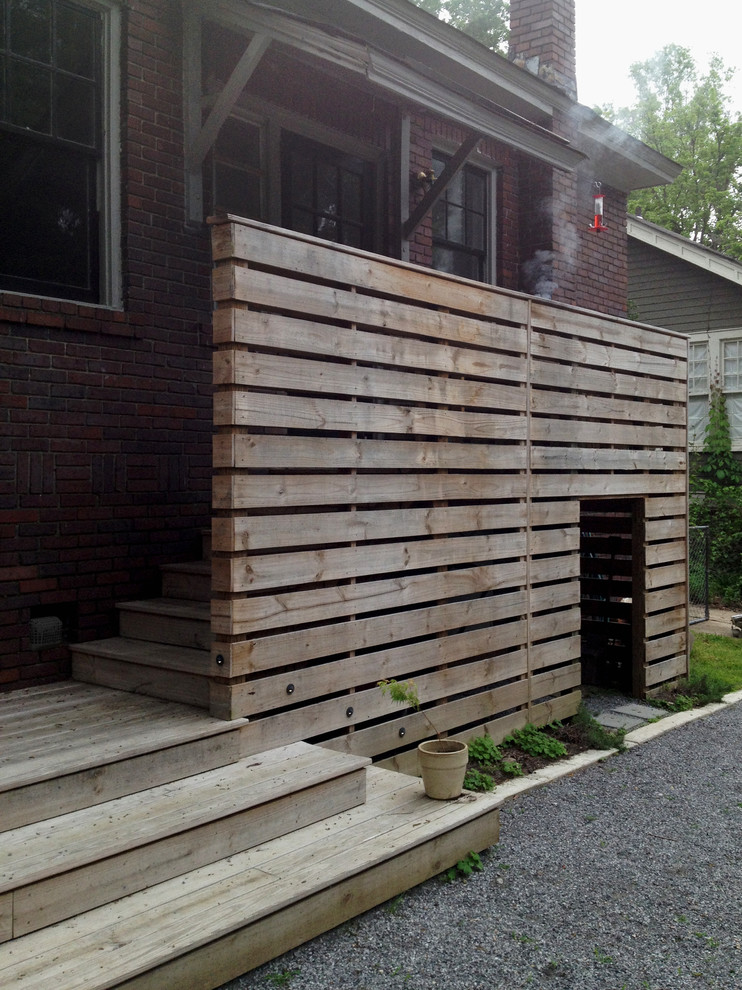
545	775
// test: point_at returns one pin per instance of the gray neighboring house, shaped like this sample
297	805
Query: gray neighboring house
680	285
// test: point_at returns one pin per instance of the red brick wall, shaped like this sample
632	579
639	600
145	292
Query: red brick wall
105	443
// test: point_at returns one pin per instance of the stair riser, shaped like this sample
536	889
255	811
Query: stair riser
187	586
42	904
171	685
88	788
191	633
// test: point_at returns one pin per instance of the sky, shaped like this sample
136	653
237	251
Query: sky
611	37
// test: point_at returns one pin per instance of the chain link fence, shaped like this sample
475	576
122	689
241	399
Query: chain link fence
698	574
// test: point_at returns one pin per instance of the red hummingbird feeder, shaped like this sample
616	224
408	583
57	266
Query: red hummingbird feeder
597	223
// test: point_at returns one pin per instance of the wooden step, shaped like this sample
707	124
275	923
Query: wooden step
174	673
167	620
93	856
70	745
190	580
211	925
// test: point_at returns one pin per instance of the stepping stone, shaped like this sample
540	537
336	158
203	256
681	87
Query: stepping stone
645	712
612	720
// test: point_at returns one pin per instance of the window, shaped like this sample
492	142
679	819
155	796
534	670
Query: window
239	174
53	170
269	173
731	382
327	192
698	391
461	223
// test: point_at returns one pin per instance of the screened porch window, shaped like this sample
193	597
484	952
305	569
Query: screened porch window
461	223
52	148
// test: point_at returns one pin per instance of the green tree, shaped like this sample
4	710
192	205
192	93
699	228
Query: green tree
486	20
685	115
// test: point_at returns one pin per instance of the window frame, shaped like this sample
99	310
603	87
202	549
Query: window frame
107	166
274	122
445	150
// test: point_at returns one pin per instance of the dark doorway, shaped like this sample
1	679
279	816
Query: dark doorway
608	591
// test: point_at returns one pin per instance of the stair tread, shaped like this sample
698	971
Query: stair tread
188	659
128	937
71	727
32	852
198	567
175	607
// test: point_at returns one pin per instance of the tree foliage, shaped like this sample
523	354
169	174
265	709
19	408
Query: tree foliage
485	20
685	115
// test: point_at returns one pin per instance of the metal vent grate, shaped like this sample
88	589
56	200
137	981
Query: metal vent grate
47	630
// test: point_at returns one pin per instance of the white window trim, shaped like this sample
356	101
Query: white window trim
714	341
110	185
485	164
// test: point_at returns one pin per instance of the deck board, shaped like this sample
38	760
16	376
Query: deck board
204	912
45	734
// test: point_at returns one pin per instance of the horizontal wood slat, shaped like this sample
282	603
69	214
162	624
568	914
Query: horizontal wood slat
400	463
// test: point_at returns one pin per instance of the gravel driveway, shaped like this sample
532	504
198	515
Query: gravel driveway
625	876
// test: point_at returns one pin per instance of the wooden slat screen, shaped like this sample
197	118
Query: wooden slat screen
399	461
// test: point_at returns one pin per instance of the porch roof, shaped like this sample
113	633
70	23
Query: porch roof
403	49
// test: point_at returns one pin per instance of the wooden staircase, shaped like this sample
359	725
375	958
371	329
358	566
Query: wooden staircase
141	848
163	644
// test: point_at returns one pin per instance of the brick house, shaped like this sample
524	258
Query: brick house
105	296
313	291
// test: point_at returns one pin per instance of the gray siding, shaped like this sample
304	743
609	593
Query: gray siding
668	292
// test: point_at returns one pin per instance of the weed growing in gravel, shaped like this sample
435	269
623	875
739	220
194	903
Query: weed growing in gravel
393	906
601	957
283	978
471	863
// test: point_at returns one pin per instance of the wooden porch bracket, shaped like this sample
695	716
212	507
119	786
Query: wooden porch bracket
454	166
227	99
200	138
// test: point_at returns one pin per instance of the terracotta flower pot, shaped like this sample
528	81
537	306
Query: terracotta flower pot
443	767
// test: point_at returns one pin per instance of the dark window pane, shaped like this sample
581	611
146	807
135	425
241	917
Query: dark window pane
338	189
475	191
74	110
75	41
460	221
352	202
239	143
29	97
31	29
237	192
48	239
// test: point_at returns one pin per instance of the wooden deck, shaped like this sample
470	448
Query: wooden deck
141	848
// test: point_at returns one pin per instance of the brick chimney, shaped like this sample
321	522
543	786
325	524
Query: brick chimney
542	40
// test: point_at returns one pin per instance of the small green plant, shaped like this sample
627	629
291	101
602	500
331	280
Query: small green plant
393	906
512	768
483	750
283	978
474	780
601	957
535	742
471	863
405	693
595	735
